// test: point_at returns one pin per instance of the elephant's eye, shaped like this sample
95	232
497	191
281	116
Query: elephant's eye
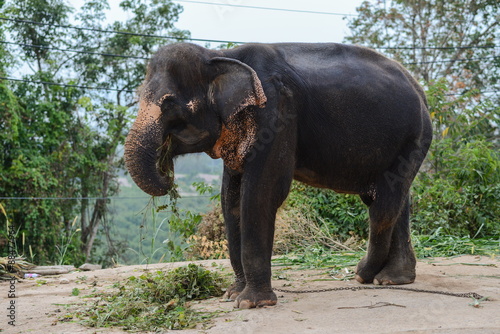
176	125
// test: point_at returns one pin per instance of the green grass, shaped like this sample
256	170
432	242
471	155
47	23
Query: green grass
155	301
435	245
318	257
438	245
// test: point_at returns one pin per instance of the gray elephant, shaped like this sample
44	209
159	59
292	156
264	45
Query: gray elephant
330	115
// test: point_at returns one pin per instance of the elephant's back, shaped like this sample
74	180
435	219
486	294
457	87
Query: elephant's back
364	106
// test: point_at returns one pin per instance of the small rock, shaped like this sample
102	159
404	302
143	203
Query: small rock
51	270
64	281
89	266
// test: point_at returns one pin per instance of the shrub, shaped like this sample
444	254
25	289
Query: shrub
463	196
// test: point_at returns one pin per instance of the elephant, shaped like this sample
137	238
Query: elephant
330	115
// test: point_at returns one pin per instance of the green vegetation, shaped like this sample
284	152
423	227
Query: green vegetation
458	189
439	244
155	301
434	39
435	245
466	201
340	214
319	257
60	139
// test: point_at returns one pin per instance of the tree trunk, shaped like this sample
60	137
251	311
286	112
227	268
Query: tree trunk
98	215
83	217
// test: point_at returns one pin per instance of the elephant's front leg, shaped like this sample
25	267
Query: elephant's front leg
230	200
261	198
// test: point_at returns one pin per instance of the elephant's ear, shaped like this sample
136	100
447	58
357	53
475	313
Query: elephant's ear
235	89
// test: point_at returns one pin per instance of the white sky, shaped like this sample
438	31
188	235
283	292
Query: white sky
255	25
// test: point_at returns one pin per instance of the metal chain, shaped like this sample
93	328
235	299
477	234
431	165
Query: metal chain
356	288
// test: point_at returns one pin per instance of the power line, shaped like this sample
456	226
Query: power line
133	91
68	85
435	47
146	58
276	9
89	198
68	198
224	41
75	51
121	32
479	92
450	60
266	8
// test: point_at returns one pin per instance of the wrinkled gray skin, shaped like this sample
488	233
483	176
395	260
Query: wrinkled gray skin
330	115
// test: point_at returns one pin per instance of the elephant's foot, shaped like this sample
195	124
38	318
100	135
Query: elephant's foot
366	271
394	272
389	277
251	298
234	290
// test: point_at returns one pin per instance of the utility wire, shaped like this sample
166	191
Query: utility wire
479	92
120	32
451	60
89	198
146	58
68	198
68	85
434	47
133	91
233	42
74	51
266	8
274	9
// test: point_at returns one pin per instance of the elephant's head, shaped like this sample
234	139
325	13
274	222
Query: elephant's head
192	100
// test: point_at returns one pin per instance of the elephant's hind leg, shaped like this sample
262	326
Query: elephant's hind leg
383	217
401	261
390	258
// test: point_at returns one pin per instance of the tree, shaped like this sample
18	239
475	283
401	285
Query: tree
32	166
450	43
433	39
123	74
67	136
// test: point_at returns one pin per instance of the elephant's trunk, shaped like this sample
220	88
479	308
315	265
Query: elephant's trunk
147	155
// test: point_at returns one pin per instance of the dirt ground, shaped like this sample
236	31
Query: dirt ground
41	308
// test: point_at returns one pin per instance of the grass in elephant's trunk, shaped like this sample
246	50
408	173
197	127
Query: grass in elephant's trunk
166	167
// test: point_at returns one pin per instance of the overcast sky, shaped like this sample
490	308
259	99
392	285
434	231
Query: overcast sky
239	24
